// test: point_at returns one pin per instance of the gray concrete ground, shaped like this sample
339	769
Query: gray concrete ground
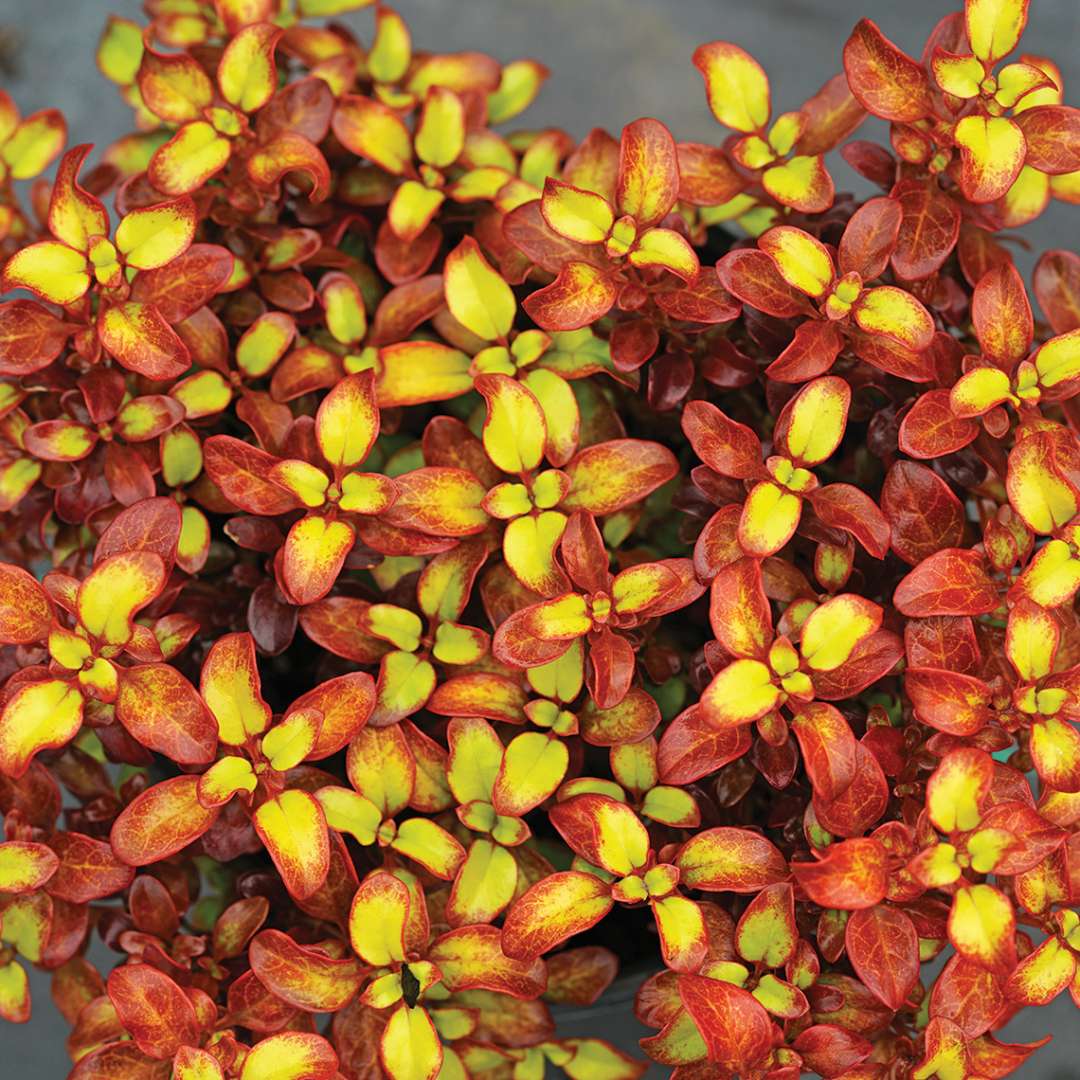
611	61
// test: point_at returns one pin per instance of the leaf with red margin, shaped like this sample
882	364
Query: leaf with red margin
949	701
869	238
26	613
925	514
150	525
335	624
613	475
861	804
846	507
969	995
853	874
828	747
31	337
691	748
312	557
291	1055
883	947
1057	286
579	296
886	81
439	501
603	831
727	859
872	658
161	821
647	184
304	977
555	908
1052	138
739	610
472	958
345	703
1002	317
141	340
751	275
580	976
736	1030
153	1010
930	429
480	694
25	866
833	1050
952	581
766	932
89	869
929	229
185	284
242	473
811	353
293	829
728	447
119	1061
164	712
982	927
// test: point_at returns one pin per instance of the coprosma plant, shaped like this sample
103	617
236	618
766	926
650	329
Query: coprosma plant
431	577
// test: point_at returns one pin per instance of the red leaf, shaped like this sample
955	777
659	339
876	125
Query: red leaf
883	947
736	1029
949	582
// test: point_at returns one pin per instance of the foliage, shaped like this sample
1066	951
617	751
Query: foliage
441	564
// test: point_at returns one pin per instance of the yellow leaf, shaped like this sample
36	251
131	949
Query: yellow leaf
992	153
832	631
34	143
803	262
292	827
289	743
815	419
51	269
410	1046
377	918
231	688
37	716
349	812
347	422
514	431
666	248
412	208
994	26
578	215
770	516
193	155
440	134
736	85
977	391
740	693
388	59
152	236
1059	359
477	296
246	74
115	590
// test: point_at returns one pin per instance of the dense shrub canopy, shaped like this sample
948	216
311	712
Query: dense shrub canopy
444	563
